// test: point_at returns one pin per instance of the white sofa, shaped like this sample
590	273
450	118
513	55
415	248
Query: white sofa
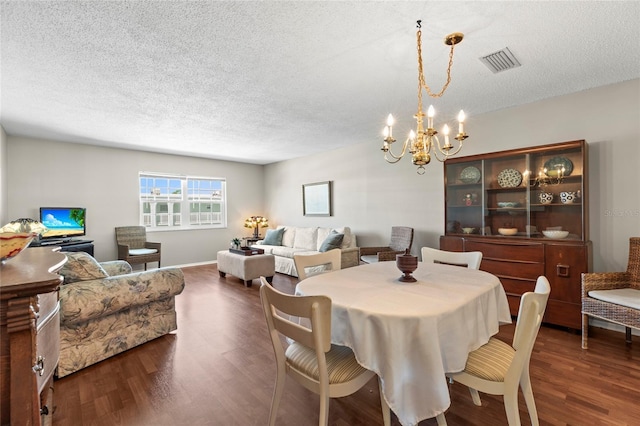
302	240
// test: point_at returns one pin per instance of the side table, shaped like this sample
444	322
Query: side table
251	240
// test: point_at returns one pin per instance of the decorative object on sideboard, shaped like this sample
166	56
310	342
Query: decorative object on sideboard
569	197
470	174
554	171
555	234
422	141
508	204
507	231
256	222
545	197
509	178
16	235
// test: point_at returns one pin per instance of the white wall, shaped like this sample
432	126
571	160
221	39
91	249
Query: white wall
370	195
105	181
3	177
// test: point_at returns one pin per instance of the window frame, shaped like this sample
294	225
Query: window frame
191	192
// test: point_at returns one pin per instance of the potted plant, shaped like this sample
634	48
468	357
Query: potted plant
236	243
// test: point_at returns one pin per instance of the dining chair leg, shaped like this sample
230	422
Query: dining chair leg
442	421
475	396
324	411
386	411
277	395
527	391
511	408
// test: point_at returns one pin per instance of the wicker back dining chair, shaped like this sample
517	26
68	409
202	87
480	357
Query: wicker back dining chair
312	264
498	368
134	248
401	240
613	296
330	371
468	259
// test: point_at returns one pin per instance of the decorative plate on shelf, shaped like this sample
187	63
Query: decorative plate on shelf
556	163
509	178
470	175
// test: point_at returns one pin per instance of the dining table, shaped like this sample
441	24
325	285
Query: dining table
412	333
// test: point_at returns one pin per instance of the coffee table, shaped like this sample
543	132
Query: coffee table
247	268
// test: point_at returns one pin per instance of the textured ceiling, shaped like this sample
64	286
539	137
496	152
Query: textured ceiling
260	82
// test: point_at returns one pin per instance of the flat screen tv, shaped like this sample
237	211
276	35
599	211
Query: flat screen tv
63	222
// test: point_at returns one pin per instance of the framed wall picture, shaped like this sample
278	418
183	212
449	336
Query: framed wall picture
316	199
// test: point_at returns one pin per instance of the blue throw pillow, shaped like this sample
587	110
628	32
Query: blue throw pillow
273	237
333	241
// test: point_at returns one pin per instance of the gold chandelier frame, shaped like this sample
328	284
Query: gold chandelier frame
423	141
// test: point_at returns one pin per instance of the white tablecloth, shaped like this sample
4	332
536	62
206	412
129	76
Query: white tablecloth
410	334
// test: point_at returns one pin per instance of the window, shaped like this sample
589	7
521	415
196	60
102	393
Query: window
182	202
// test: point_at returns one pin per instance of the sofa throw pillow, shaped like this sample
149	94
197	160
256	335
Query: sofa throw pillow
306	238
273	237
81	266
333	241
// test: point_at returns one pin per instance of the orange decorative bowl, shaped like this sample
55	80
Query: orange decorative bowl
12	243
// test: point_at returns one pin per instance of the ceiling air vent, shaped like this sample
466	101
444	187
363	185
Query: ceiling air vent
501	60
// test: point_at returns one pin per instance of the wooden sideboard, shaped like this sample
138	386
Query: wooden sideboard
518	263
30	335
504	204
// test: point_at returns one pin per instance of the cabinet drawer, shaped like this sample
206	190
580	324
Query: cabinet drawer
507	250
510	269
47	304
48	345
517	287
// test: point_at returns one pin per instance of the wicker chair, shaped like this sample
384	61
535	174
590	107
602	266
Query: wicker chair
401	239
134	248
623	284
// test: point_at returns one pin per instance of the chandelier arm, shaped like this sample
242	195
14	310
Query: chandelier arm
445	154
396	157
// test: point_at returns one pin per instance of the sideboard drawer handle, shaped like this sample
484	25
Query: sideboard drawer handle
39	367
562	270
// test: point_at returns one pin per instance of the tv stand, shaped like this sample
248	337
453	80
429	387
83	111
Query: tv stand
68	244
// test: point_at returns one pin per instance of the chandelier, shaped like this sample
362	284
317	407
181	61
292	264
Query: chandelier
422	142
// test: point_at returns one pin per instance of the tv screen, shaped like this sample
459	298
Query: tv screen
63	222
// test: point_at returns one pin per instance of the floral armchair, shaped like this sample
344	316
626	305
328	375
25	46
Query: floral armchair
105	309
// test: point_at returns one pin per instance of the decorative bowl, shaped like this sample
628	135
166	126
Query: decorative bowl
12	243
568	197
507	231
508	204
545	197
468	230
554	234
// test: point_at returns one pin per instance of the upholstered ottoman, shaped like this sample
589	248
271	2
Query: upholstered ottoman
247	268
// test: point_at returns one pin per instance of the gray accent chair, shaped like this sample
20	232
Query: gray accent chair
401	240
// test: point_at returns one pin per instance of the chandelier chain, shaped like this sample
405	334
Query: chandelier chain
421	80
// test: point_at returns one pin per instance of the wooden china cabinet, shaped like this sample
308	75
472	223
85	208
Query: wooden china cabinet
526	210
30	335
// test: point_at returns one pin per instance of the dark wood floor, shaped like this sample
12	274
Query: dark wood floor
218	369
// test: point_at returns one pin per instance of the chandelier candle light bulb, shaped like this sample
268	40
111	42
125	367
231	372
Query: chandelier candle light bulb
430	113
445	132
461	118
